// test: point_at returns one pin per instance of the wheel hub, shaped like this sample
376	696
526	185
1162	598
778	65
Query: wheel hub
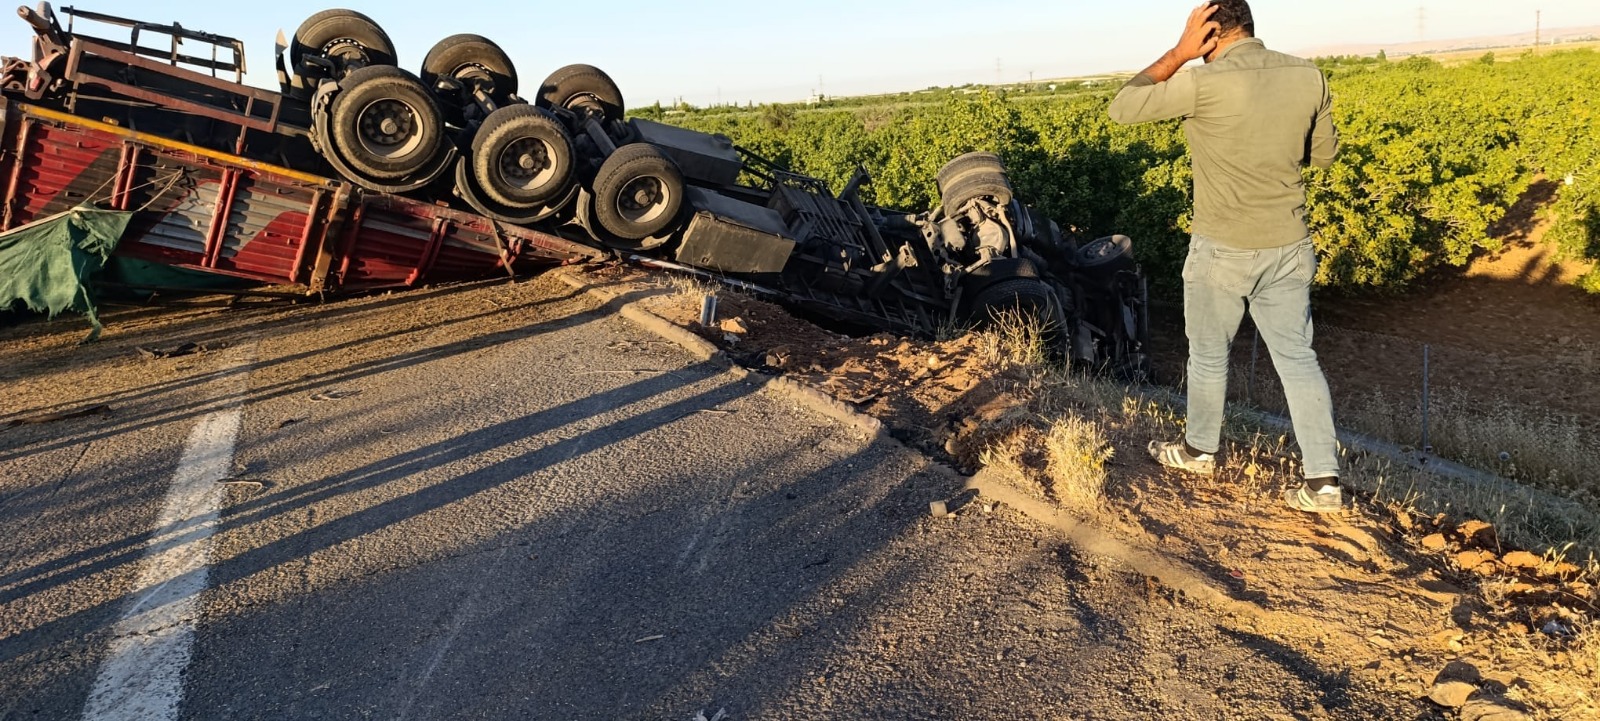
525	164
346	53
388	127
643	199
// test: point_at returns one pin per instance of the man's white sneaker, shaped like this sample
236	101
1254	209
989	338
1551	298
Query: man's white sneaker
1174	455
1302	498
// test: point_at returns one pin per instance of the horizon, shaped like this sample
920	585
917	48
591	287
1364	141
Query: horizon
729	53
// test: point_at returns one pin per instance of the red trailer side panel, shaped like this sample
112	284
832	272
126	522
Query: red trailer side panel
210	211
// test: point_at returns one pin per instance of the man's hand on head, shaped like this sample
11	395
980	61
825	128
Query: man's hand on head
1147	96
1199	34
1199	37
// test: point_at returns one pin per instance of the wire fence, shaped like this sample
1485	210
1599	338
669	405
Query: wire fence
1533	417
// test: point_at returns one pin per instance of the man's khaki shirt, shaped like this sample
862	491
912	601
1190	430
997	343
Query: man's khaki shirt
1253	117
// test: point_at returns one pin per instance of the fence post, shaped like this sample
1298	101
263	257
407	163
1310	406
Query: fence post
1426	351
708	310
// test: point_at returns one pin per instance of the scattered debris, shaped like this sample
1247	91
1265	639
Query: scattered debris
60	416
722	714
648	639
246	483
779	356
285	423
176	351
335	395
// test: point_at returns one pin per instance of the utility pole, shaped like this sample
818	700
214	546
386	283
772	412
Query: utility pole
997	71
1538	27
1422	23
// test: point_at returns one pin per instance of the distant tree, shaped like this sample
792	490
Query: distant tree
1383	57
777	116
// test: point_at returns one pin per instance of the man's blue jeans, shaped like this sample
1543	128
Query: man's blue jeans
1219	282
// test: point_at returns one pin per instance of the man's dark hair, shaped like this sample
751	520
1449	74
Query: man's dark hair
1233	15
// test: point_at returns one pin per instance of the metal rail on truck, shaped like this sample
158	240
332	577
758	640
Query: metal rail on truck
207	210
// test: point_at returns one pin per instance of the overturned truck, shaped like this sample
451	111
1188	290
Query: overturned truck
358	174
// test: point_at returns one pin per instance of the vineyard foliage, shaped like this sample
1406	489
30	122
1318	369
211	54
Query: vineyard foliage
1432	159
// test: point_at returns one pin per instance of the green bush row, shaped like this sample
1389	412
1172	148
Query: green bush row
1432	159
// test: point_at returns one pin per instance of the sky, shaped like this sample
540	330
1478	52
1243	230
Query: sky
718	51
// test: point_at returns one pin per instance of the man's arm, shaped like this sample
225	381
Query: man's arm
1323	143
1148	95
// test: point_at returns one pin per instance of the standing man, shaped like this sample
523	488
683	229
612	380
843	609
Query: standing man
1253	118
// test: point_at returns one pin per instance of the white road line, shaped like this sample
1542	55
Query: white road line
143	676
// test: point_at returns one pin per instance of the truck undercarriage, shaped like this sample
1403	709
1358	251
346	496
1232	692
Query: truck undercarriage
360	174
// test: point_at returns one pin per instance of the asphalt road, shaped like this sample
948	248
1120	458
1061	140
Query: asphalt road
506	503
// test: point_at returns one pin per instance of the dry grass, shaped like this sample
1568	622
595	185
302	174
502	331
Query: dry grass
688	287
1539	447
1015	340
1016	456
1076	453
1523	516
1258	453
1546	449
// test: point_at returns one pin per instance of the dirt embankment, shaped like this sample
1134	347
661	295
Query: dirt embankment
1419	604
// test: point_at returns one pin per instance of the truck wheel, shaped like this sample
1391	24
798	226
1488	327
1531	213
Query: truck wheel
970	187
970	176
582	86
1106	255
638	192
472	57
522	157
1028	294
385	123
348	38
970	162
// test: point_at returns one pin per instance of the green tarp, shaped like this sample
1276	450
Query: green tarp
46	264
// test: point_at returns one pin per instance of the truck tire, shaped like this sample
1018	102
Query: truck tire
522	157
970	187
467	55
638	192
963	164
970	176
385	123
348	38
1030	295
1104	256
582	86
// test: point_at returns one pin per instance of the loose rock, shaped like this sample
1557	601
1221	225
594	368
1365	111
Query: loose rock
1482	709
1452	693
779	357
1476	531
1433	542
1469	560
1521	559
